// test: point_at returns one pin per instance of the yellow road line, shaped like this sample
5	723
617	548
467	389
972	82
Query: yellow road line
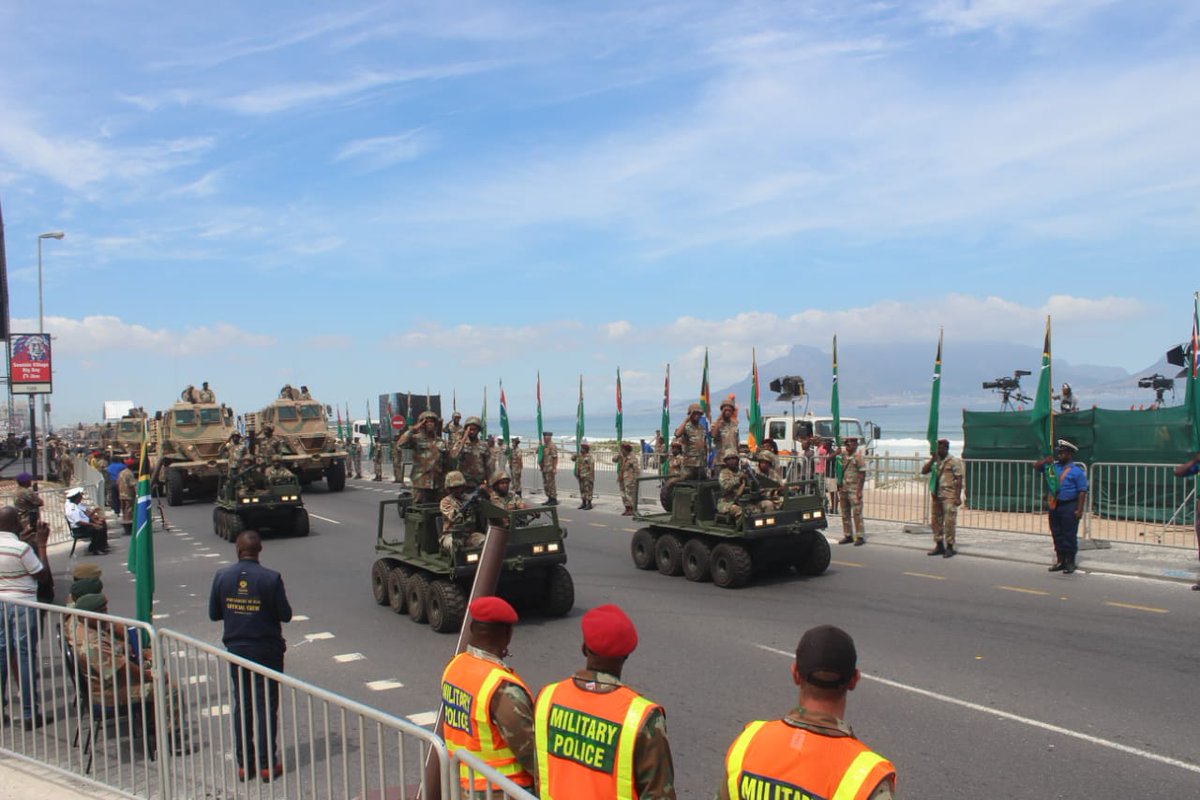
846	564
926	575
1151	609
1021	590
630	530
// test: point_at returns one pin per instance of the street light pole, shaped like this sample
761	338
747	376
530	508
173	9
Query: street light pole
41	329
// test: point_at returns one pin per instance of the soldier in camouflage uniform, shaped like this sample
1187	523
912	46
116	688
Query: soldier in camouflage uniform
768	467
268	445
429	457
127	493
674	473
356	457
205	395
695	445
733	488
585	473
397	460
470	454
456	526
725	429
947	497
233	449
66	468
516	464
377	459
629	467
850	492
549	468
454	429
278	474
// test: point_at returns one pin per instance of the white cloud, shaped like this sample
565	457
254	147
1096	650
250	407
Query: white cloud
618	329
109	335
476	345
972	15
383	151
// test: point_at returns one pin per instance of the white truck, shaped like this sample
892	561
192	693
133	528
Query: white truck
809	425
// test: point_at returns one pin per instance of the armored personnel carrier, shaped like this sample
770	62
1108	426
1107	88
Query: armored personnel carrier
308	448
186	442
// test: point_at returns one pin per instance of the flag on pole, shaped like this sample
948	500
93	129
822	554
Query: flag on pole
578	425
371	431
755	412
1043	413
541	451
1192	392
141	548
408	415
483	416
706	407
340	433
835	410
665	424
620	412
935	395
504	425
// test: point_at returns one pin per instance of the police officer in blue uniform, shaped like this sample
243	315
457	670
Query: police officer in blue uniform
251	601
1067	486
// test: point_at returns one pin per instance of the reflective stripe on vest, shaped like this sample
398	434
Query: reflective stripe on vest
581	762
805	764
468	685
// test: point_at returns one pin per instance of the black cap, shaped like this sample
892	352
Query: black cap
826	657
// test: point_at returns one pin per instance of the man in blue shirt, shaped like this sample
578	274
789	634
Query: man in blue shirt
1186	470
1067	487
251	601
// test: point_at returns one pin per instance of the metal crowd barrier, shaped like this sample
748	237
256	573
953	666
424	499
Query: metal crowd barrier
1142	503
498	787
55	501
164	727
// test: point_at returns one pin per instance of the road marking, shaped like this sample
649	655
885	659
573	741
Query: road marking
564	519
210	555
1022	590
926	575
630	530
423	718
384	685
324	519
847	563
313	637
1033	723
597	524
159	616
345	658
1152	609
299	618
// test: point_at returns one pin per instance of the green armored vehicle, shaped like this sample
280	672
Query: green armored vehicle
693	540
414	574
307	446
246	500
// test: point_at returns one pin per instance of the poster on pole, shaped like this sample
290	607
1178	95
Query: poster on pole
29	363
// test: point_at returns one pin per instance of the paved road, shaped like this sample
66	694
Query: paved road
983	677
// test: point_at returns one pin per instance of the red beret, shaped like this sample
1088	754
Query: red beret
608	632
493	609
129	462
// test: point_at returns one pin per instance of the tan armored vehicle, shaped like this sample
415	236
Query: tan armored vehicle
187	439
304	440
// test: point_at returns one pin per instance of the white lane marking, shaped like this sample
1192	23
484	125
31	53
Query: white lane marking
313	637
1033	723
160	616
345	658
423	718
384	685
210	555
324	519
299	618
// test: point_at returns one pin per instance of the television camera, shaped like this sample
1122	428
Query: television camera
1009	389
1160	384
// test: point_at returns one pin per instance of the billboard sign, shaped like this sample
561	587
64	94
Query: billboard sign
29	363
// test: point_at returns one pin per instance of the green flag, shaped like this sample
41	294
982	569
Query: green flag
504	426
1043	413
620	413
141	548
408	415
483	416
665	424
1191	395
935	396
578	425
755	412
835	409
541	451
370	433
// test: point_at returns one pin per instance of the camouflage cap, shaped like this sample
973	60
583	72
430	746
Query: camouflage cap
474	421
729	453
765	455
728	403
427	415
455	478
500	476
695	408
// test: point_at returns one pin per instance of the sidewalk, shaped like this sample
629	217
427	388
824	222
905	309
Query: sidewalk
20	780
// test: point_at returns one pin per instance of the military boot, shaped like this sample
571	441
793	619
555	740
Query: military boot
1069	565
938	549
847	539
1058	562
950	552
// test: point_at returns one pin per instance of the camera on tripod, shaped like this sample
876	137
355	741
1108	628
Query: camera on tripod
1009	388
1161	384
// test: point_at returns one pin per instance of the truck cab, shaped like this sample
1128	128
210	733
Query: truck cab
821	427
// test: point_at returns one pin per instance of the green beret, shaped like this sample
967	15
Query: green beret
86	569
91	602
86	586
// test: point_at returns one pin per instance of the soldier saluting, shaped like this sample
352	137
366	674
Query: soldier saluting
695	444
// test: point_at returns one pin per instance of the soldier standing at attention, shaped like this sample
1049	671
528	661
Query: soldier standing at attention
695	445
854	477
269	445
206	395
549	467
516	464
127	493
585	473
454	429
725	429
66	468
429	457
589	712
947	497
811	752
629	468
487	709
356	457
470	454
397	460
377	459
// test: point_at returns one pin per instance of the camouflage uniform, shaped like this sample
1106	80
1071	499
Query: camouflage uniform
629	468
453	431
768	467
29	509
725	431
454	526
377	461
943	511
356	457
277	474
429	459
695	447
127	492
585	473
269	446
206	395
516	464
471	457
854	473
233	451
398	460
733	486
549	467
66	468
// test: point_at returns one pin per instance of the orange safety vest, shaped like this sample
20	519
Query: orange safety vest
468	685
773	759
585	741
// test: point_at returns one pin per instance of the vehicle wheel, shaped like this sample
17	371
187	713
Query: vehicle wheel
668	554
300	522
814	559
696	557
731	565
560	592
379	581
174	488
642	549
416	591
233	526
218	523
666	496
445	606
397	580
335	476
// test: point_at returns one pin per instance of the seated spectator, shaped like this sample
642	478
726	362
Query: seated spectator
86	523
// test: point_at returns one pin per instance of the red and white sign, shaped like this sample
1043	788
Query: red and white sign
397	423
29	363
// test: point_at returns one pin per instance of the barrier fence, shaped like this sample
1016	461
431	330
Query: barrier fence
152	713
54	500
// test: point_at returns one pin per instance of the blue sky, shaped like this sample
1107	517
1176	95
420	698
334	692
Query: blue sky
393	195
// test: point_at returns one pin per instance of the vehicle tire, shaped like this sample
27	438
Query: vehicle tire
666	496
300	522
560	592
445	606
642	549
379	581
668	554
397	580
218	522
697	555
416	593
234	525
335	476
174	487
814	559
731	565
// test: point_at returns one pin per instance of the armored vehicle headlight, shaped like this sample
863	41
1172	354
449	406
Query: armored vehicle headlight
538	549
808	515
245	499
758	523
818	514
472	558
770	520
254	500
552	547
